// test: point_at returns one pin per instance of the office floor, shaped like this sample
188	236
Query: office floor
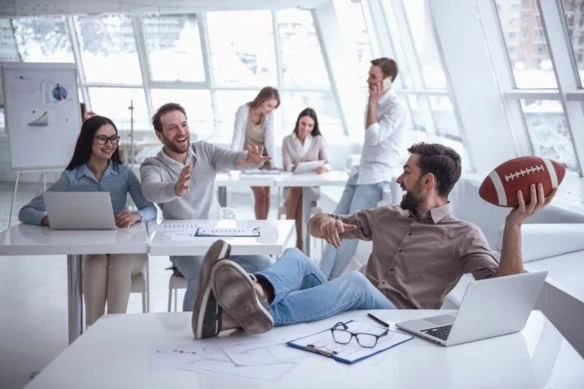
33	297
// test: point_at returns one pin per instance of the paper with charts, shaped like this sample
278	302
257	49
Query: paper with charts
262	357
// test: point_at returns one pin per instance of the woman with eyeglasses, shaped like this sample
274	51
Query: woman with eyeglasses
96	167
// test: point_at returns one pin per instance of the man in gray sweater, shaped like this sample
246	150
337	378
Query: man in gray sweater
181	180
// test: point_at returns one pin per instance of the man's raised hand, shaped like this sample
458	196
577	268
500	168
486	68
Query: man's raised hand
255	157
184	179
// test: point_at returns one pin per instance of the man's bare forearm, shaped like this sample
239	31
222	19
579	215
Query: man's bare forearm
315	223
511	261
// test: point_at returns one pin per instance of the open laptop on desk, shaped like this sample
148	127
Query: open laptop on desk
489	308
80	210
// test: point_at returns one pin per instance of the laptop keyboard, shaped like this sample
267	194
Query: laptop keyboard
439	332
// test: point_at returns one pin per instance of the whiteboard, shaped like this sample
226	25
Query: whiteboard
42	114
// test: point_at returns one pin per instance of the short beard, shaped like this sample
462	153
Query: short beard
409	203
172	147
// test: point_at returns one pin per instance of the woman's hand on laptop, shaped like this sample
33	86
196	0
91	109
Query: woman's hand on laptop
45	221
126	219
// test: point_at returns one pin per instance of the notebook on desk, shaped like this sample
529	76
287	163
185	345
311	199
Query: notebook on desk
324	344
80	210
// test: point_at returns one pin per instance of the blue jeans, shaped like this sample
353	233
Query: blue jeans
190	266
355	198
303	294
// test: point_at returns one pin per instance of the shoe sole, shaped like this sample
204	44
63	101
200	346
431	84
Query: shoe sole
198	320
245	307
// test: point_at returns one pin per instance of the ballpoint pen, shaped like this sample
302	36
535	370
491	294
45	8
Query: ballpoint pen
378	320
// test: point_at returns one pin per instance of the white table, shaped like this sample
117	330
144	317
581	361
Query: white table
115	353
286	179
23	239
275	236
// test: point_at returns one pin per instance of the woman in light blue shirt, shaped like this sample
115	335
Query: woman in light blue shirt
96	167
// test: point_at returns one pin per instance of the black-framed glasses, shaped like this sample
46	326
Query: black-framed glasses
102	139
342	335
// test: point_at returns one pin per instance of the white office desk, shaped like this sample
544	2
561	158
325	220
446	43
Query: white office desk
275	236
23	239
285	179
115	353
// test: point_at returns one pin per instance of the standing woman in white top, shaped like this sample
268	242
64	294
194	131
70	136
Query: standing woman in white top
304	144
254	125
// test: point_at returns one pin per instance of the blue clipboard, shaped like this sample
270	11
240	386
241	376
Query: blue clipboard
322	343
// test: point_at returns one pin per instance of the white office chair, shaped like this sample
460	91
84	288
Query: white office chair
177	281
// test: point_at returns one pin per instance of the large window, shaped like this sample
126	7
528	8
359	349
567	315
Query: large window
574	15
174	50
526	45
108	49
43	39
302	64
421	33
242	48
548	131
421	74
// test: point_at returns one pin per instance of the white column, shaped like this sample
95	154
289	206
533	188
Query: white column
340	64
473	86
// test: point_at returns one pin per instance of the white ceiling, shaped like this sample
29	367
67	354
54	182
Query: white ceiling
13	8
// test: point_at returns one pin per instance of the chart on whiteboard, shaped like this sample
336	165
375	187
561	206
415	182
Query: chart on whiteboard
55	92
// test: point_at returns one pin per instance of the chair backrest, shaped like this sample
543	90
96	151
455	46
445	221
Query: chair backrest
228	213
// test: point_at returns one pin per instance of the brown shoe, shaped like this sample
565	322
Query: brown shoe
206	318
236	294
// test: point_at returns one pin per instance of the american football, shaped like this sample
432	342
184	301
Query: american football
501	185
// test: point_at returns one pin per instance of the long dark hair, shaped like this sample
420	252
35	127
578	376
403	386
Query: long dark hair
312	114
85	142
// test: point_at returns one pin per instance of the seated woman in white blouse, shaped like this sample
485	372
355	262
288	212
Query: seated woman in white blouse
96	167
304	144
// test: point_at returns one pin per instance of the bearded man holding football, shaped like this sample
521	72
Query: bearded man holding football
420	250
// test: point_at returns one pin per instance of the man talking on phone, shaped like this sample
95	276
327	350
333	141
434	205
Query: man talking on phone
381	158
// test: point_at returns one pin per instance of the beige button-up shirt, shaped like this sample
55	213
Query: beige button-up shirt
415	262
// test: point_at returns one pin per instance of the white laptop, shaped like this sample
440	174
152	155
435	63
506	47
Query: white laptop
489	308
80	210
308	167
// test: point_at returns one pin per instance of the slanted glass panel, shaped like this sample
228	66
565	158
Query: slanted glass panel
404	75
548	131
526	44
43	39
173	45
444	118
354	29
197	104
242	48
420	24
322	102
416	114
114	103
574	15
108	49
